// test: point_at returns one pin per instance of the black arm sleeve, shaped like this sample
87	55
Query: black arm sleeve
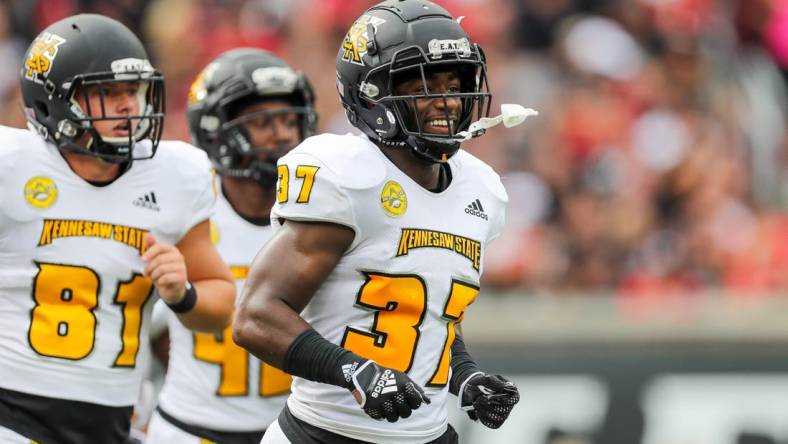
313	357
462	365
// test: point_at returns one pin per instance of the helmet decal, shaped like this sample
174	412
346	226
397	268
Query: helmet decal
41	56
198	89
356	43
460	47
274	80
130	65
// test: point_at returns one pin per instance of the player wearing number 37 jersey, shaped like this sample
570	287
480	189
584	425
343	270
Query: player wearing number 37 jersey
97	220
379	245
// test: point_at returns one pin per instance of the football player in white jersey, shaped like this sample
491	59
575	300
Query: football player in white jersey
98	219
247	109
379	245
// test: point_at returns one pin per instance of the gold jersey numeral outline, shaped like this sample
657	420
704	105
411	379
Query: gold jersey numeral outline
400	302
63	320
233	361
306	173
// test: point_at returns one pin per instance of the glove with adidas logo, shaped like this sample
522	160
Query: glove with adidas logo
488	398
385	393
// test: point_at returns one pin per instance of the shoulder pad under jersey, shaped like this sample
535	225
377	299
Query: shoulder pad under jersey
471	164
352	159
183	158
187	170
16	143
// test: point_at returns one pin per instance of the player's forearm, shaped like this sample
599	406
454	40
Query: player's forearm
213	309
462	364
267	328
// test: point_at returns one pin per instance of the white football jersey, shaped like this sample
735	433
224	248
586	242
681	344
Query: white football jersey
74	301
407	278
211	381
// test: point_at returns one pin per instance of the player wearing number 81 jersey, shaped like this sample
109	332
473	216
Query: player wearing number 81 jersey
98	219
75	300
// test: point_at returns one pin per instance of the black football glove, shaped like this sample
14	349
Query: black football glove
488	398
386	393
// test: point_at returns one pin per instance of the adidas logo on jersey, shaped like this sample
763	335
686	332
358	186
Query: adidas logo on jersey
386	384
147	200
475	209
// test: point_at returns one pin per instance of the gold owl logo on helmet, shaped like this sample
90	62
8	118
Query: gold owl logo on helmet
199	87
41	56
197	91
357	41
393	199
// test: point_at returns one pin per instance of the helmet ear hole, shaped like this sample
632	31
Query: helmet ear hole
41	108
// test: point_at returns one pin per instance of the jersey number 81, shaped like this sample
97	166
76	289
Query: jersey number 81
63	321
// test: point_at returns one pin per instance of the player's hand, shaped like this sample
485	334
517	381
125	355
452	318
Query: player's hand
386	393
488	398
165	265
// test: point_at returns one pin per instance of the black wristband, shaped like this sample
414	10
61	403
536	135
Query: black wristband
187	302
313	357
462	365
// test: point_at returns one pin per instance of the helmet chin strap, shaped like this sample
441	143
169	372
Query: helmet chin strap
260	171
511	115
422	149
264	173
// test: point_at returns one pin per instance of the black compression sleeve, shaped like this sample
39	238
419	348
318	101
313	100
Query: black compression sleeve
462	365
313	357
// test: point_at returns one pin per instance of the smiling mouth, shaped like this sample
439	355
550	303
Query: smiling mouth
440	126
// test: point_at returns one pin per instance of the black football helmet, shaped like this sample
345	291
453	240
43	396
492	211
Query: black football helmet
79	53
398	40
234	79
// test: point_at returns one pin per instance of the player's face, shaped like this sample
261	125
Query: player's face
111	101
271	127
434	115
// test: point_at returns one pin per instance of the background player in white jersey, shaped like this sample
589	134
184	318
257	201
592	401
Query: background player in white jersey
96	219
375	247
247	109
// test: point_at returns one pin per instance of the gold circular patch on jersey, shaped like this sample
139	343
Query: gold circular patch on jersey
40	192
214	233
393	199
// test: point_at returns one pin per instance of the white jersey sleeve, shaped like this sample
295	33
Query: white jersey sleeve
11	151
317	177
492	182
195	174
321	200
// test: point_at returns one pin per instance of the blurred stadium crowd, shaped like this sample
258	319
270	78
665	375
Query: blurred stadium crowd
658	162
